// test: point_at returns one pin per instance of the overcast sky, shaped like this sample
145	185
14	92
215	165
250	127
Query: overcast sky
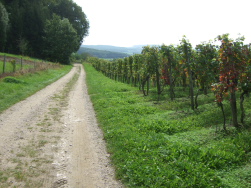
136	22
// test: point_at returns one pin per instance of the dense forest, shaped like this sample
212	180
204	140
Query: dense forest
48	29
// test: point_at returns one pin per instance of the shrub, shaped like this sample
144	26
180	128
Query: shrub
14	80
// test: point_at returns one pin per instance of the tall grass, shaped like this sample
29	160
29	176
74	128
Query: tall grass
167	144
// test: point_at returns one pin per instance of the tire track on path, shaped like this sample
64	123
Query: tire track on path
89	158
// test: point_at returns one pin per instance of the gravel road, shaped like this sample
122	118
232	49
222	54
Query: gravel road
52	139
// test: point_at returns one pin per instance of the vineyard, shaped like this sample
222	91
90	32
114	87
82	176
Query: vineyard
222	69
12	64
165	143
191	128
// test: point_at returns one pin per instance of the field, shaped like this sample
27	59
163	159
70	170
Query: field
165	144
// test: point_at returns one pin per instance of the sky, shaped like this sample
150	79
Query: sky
141	22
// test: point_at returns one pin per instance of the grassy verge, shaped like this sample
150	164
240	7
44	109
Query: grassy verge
166	144
11	93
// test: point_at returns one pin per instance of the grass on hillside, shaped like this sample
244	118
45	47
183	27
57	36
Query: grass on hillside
20	56
27	63
9	67
167	144
11	93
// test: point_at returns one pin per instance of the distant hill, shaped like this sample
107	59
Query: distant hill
105	54
128	50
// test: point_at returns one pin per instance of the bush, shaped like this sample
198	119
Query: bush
14	80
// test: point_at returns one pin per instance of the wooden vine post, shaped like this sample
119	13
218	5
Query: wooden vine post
4	63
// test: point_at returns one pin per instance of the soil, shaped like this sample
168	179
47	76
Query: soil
52	139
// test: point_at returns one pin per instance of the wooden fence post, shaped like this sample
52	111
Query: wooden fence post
4	60
21	63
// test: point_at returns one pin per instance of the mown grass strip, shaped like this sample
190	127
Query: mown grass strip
165	144
11	93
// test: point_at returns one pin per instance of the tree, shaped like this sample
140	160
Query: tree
70	10
60	40
27	20
4	24
85	56
34	18
23	45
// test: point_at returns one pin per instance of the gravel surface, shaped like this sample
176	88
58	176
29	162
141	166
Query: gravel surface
52	139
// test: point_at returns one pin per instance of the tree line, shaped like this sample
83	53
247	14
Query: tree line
225	69
47	29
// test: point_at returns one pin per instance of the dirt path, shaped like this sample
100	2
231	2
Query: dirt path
52	140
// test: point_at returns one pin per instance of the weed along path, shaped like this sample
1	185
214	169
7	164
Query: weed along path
52	139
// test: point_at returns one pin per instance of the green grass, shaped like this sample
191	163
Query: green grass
167	144
25	65
9	67
11	93
19	56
